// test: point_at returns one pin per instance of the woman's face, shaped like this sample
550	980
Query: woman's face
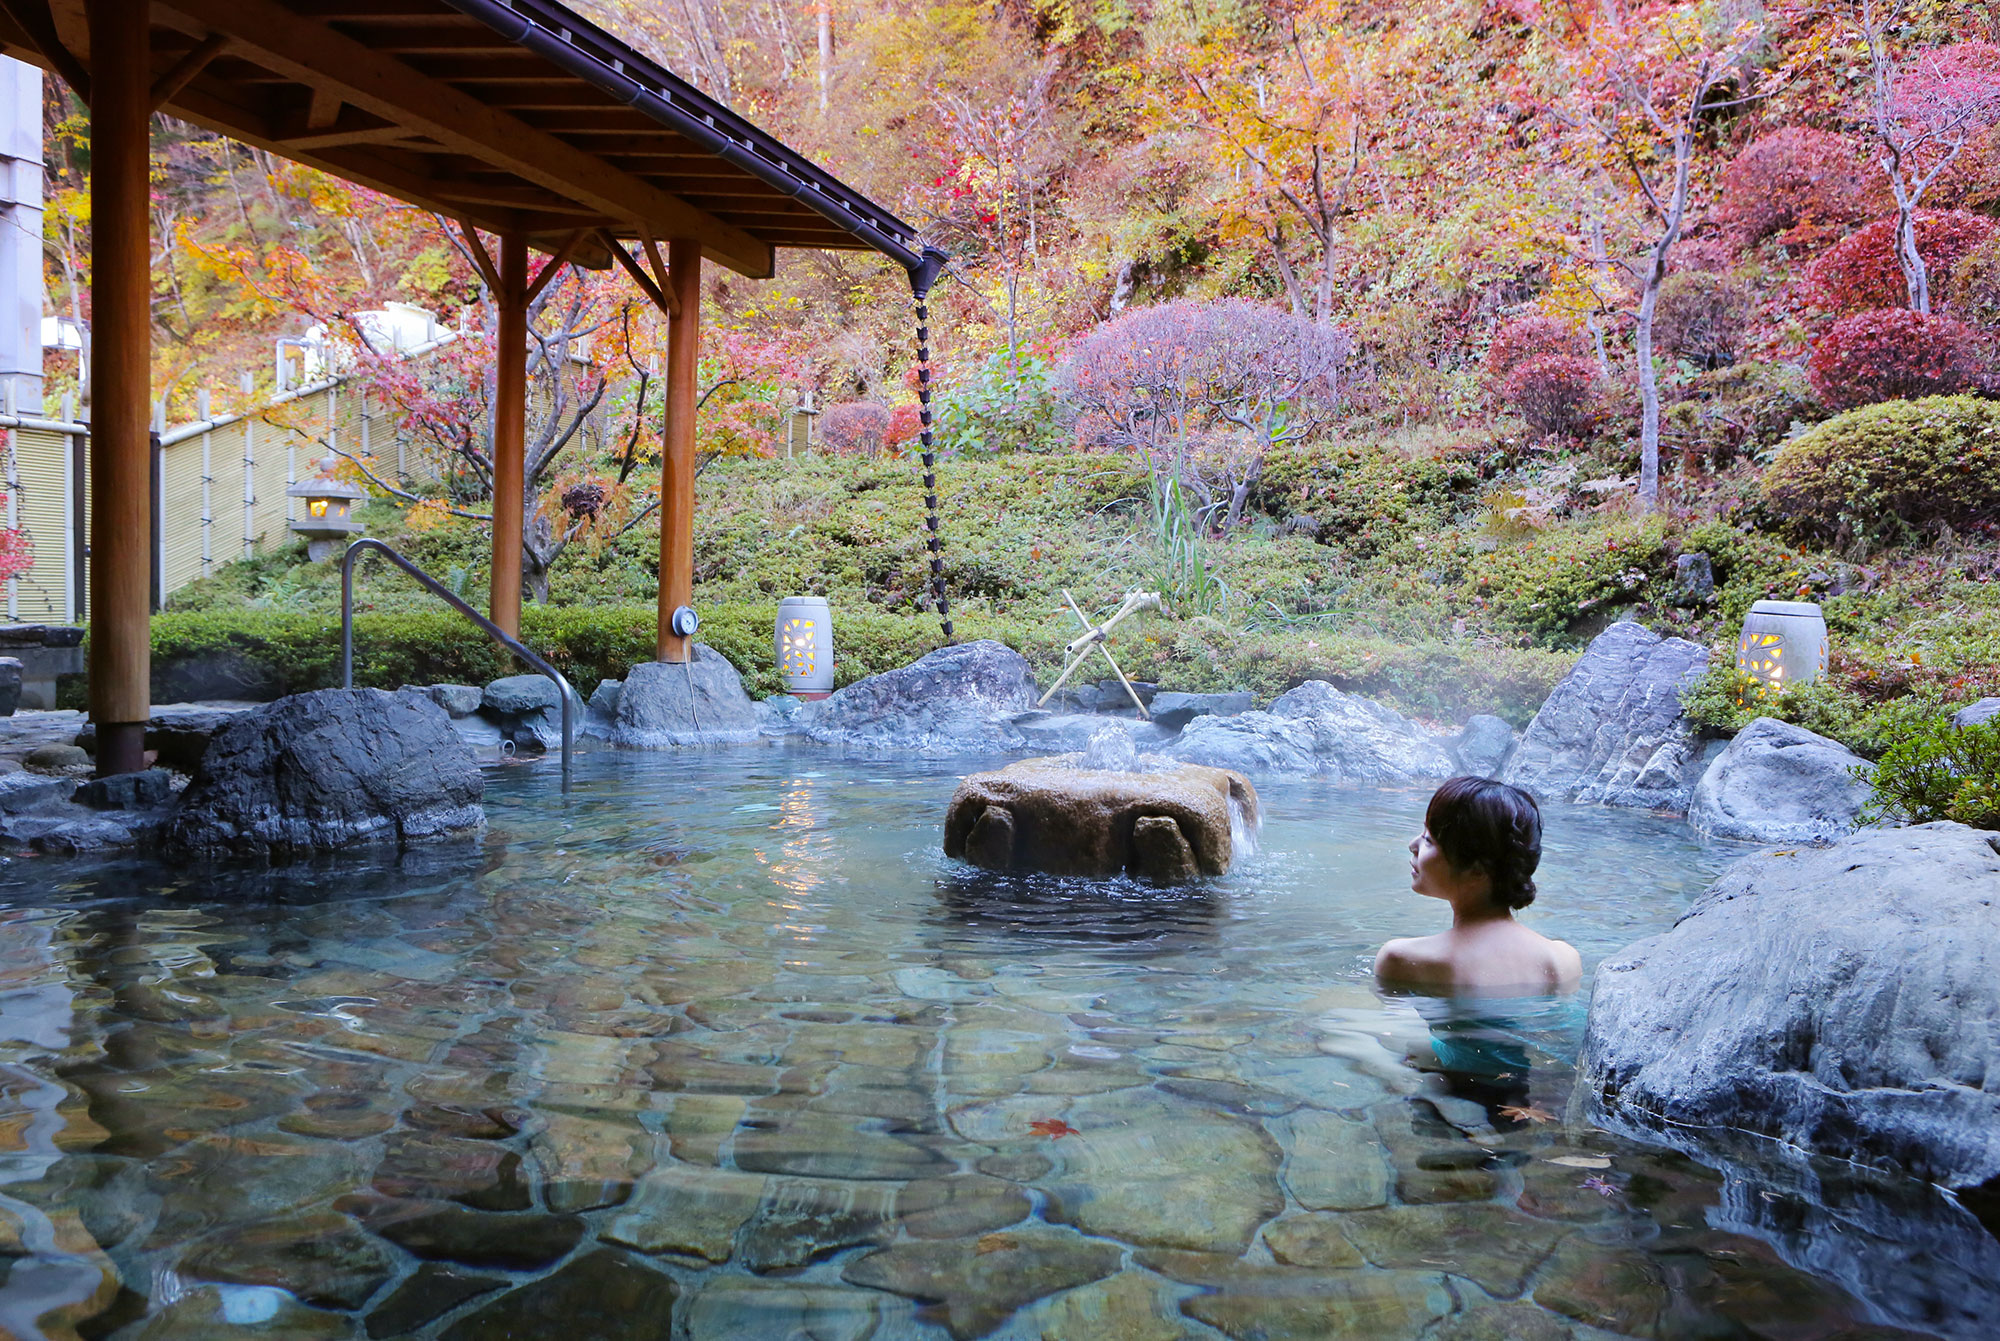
1430	873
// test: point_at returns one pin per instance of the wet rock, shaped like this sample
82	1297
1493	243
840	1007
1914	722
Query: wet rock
687	1209
460	700
1503	1322
731	1308
66	830
1433	1160
1130	1306
432	1291
1335	1163
1612	732
1779	783
220	1312
528	711
584	1163
1053	815
1360	740
476	1124
1483	745
778	714
980	1282
1230	1095
1972	714
1483	1243
482	1238
956	700
1151	1170
145	790
1020	1166
1175	711
1325	1306
601	714
1252	743
1069	732
10	685
662	705
177	734
31	793
1311	1241
1821	997
323	770
430	1164
817	1145
324	1259
1618	1290
604	1295
802	1220
952	1208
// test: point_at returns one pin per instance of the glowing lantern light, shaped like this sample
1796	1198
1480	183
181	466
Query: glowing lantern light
803	641
327	523
1783	644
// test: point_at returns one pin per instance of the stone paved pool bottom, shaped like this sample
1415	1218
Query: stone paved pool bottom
723	1047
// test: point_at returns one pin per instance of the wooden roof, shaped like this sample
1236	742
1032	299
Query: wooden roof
514	115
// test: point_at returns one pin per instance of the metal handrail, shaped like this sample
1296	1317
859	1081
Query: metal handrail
445	594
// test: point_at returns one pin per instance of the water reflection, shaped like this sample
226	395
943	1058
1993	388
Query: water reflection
1010	910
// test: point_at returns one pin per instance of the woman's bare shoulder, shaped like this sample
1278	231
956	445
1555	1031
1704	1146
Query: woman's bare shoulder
1411	959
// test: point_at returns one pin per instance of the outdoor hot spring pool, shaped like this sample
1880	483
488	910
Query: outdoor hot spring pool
722	1046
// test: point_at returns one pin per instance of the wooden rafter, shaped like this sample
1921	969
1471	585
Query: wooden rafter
182	72
661	295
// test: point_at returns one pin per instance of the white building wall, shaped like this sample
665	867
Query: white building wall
21	281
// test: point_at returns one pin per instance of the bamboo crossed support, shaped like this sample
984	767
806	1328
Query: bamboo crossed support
1096	636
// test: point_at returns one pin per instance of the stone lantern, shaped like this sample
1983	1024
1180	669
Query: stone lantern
1783	644
328	523
803	641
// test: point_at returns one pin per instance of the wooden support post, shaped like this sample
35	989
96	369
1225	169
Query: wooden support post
677	455
121	356
510	427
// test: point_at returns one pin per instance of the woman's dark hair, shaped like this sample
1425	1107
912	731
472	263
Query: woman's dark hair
1483	825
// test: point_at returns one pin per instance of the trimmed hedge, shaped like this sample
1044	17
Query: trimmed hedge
258	654
1889	473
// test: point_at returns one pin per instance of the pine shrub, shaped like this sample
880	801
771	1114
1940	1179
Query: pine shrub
1889	473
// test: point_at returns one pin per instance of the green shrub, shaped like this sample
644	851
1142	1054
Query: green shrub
1559	584
1890	473
1941	772
1362	499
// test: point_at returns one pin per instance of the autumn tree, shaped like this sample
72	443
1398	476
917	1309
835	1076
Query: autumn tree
1926	109
1647	81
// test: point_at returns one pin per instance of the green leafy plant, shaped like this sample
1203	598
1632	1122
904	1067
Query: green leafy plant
1004	404
1185	574
1939	772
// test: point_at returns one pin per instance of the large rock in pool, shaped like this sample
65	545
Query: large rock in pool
1843	1000
1613	732
1056	815
1315	728
1779	783
699	702
323	770
957	700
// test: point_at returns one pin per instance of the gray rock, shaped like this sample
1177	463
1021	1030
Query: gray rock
459	700
698	702
322	770
518	695
956	700
1694	579
1483	745
144	790
65	830
1972	714
778	714
1779	783
1360	740
28	793
604	698
1842	1000
177	733
528	711
1174	710
479	732
10	685
1613	732
1251	743
1065	733
56	758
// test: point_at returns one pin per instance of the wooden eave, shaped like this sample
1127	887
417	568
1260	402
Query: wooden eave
511	115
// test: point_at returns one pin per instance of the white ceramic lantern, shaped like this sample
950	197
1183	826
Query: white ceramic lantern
804	645
1783	644
328	523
